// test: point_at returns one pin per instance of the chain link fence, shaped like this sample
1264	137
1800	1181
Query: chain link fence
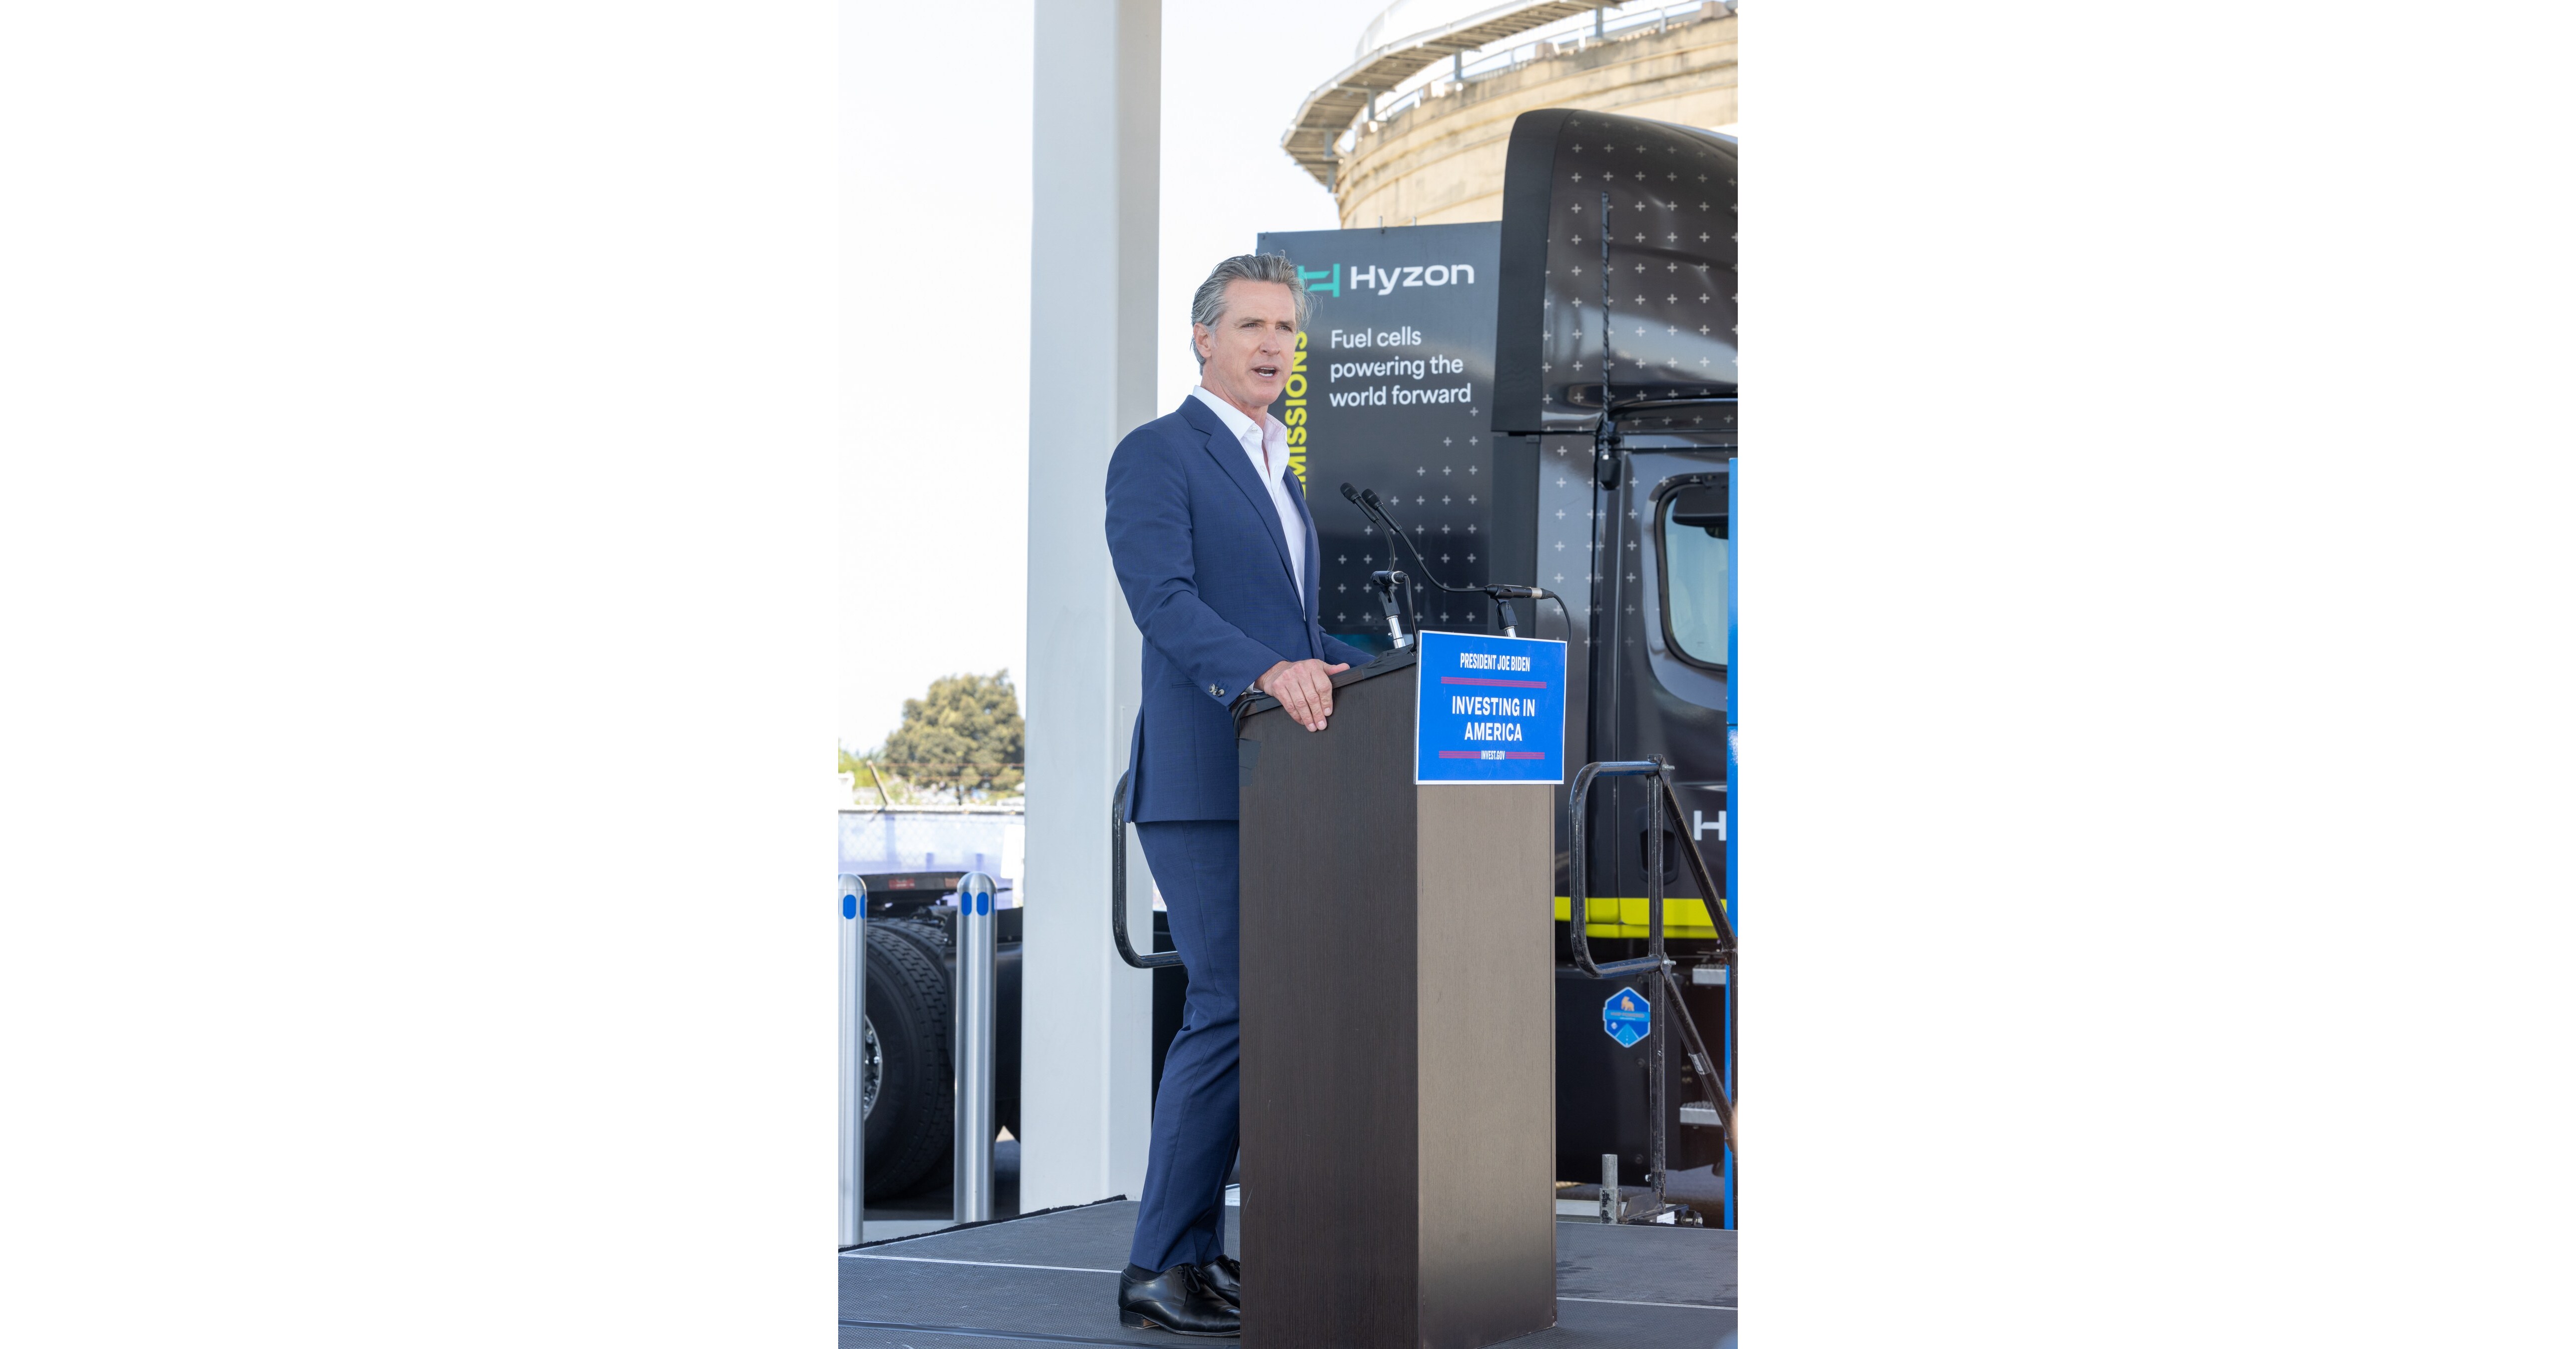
931	838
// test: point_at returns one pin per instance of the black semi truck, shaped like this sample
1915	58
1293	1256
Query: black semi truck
1613	440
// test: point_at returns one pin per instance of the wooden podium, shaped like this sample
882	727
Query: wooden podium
1399	1129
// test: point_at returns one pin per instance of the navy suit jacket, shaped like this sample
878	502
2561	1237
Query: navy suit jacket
1204	563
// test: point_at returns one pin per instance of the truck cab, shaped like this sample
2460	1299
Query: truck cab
1616	377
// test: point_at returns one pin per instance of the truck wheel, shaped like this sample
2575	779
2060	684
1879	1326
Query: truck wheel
909	1126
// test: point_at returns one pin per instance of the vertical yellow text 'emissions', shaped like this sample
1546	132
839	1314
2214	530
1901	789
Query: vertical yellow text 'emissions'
1297	413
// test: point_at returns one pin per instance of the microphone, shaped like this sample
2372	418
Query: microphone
1502	595
1367	501
1370	503
1387	583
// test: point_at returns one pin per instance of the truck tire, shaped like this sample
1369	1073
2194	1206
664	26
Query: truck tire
908	1008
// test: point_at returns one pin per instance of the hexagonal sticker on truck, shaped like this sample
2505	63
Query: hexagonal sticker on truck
1627	1018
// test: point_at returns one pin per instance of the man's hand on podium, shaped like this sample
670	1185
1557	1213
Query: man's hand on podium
1304	687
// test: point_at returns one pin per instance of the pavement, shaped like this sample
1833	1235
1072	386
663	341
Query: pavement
1052	1278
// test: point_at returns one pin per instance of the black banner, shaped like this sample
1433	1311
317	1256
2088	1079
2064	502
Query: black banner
1393	392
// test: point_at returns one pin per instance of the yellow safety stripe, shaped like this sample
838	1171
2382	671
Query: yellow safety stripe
1682	917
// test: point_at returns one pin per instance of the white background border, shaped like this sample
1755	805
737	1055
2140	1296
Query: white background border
417	540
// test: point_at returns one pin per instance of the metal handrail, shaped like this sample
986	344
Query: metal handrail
1720	919
1709	892
1662	800
1118	887
1668	1011
1560	36
1576	912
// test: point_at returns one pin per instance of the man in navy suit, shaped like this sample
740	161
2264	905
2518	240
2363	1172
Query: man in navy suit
1217	555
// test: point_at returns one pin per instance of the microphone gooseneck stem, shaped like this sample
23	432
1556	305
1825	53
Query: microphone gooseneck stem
1385	582
1419	560
1501	595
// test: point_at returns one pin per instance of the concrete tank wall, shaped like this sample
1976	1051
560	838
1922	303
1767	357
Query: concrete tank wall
1441	161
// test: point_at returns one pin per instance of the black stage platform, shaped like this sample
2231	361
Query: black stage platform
1052	1278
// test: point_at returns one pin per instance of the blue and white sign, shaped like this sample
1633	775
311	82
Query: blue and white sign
1489	709
1627	1017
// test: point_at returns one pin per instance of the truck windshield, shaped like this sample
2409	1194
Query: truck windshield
1694	549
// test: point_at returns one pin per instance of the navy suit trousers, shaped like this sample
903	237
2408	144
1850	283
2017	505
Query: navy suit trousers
1197	1119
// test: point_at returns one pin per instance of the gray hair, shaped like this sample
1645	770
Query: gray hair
1207	308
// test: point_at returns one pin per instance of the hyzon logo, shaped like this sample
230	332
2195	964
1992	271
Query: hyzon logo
1385	280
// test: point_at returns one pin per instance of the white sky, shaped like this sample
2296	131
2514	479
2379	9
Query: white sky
934	473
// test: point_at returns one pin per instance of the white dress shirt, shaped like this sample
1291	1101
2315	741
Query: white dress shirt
1267	443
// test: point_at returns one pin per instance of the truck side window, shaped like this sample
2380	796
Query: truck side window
1694	557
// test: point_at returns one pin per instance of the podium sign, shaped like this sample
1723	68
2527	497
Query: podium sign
1489	709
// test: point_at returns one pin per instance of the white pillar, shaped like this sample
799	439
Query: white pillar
1085	1019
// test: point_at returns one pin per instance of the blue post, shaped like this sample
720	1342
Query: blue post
852	895
1734	798
972	1151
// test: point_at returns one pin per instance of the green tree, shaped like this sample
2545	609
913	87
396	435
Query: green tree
963	736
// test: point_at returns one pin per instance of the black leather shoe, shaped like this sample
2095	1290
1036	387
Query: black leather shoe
1224	1277
1175	1300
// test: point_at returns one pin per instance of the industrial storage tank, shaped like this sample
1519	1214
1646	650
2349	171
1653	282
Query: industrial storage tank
1416	130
